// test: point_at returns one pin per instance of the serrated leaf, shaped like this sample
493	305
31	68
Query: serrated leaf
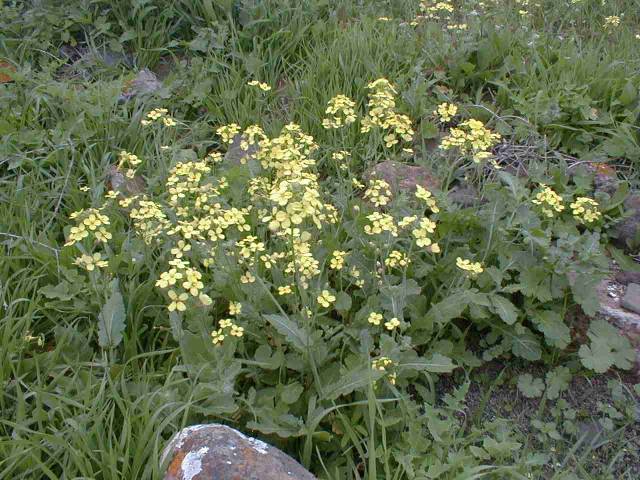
536	282
61	291
111	320
504	309
290	330
529	386
557	381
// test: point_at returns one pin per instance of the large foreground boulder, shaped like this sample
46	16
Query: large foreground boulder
218	452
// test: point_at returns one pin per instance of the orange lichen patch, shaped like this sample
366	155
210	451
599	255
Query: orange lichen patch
173	471
4	68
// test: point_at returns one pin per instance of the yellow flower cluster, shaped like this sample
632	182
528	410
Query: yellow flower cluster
89	223
378	192
392	324
397	259
585	210
381	222
340	155
227	132
91	262
226	327
474	268
159	114
261	85
446	111
382	113
612	21
471	137
337	259
423	233
128	162
341	111
424	194
382	364
549	201
436	10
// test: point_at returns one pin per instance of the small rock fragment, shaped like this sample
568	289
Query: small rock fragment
631	299
144	83
5	70
118	181
403	177
236	155
218	452
627	231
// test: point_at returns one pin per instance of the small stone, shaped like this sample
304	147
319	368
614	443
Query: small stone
625	278
118	181
144	83
218	452
236	155
6	71
631	299
402	177
627	231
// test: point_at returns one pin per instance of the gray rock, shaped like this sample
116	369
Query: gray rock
627	231
631	299
218	452
402	177
144	83
236	155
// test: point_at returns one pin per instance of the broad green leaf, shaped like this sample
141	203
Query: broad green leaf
504	309
290	330
525	345
343	302
625	262
291	393
585	294
556	332
557	381
608	348
111	320
437	363
529	386
354	380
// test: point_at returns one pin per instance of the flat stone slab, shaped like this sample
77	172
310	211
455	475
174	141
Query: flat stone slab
631	299
218	452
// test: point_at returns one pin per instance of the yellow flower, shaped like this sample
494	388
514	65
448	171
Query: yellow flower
217	336
236	331
341	111
177	301
381	363
392	324
91	262
374	318
397	259
225	323
585	210
549	201
337	260
286	290
378	192
474	268
446	111
326	298
168	278
247	278
235	308
262	86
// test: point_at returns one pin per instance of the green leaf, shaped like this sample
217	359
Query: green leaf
356	379
529	386
557	381
111	320
585	294
525	345
536	282
608	348
343	302
437	363
291	393
629	94
504	309
290	330
60	292
556	332
445	310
